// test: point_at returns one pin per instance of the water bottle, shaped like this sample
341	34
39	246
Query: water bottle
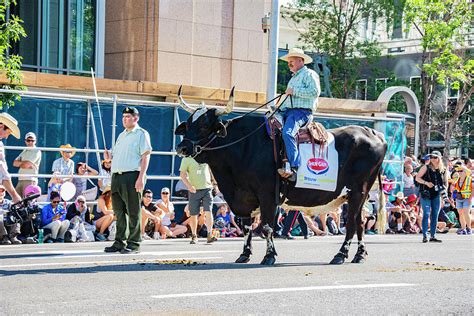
40	236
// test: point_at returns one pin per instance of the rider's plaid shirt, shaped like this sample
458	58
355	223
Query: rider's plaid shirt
306	90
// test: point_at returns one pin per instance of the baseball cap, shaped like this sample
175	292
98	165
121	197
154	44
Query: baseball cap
436	154
30	135
165	190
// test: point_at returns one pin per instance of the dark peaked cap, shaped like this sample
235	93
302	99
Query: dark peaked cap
130	110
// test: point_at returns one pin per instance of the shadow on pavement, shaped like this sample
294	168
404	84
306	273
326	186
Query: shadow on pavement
151	266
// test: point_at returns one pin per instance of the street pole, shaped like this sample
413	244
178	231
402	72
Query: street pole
273	51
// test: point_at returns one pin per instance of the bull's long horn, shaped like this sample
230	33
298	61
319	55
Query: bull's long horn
183	104
230	104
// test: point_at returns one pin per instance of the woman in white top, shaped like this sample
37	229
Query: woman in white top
166	211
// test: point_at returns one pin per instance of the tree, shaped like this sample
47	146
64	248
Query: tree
11	31
443	26
331	28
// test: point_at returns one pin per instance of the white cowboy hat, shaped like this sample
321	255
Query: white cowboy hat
10	122
297	52
400	195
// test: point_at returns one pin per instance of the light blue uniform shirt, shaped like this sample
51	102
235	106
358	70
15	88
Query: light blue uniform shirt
129	148
306	90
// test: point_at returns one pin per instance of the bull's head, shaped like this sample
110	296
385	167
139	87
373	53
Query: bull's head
202	127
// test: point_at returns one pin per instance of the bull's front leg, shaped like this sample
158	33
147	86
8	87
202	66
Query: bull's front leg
361	253
247	252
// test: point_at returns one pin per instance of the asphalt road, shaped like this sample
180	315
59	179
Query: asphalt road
172	277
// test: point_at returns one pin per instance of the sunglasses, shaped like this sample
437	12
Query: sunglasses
81	202
165	193
54	202
147	196
434	157
30	140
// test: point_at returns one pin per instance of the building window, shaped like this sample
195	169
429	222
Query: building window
361	89
415	83
381	84
61	35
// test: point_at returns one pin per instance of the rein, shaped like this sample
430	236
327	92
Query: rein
197	149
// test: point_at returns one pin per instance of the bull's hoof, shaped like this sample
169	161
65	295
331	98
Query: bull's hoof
359	258
338	259
268	260
242	259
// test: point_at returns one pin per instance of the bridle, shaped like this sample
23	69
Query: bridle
198	148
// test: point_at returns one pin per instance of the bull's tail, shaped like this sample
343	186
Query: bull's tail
382	212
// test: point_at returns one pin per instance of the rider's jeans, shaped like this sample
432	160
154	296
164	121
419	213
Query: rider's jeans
294	120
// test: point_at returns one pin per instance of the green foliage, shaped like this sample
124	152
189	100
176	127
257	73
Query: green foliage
332	30
11	30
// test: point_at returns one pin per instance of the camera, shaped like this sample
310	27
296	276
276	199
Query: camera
22	211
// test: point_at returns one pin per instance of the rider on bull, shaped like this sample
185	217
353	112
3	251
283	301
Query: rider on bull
297	110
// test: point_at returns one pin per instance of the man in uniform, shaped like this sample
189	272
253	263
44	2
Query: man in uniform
304	89
130	158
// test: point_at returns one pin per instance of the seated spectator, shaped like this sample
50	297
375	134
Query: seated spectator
29	228
201	226
166	210
369	218
28	162
64	165
82	226
289	222
8	233
104	215
53	217
398	214
54	184
105	172
225	222
313	227
414	217
82	169
151	221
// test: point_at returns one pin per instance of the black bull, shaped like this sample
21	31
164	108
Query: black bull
246	172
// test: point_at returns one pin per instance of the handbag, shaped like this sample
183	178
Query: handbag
425	192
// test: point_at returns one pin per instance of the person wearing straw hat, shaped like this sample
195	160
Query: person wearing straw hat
130	159
8	126
296	111
28	162
65	165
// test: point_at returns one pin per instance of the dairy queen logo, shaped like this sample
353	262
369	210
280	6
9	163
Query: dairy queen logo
317	166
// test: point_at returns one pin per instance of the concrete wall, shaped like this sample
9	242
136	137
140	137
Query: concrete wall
209	43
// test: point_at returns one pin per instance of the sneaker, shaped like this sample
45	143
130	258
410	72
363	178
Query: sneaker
401	231
211	239
30	240
60	240
112	249
389	231
156	236
5	241
194	240
433	239
100	237
425	239
461	232
468	231
15	241
370	232
146	237
50	241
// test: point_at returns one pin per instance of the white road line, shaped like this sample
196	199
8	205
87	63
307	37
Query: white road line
46	264
285	290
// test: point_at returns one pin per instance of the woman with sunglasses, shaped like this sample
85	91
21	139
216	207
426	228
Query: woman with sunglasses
53	217
433	180
462	191
166	207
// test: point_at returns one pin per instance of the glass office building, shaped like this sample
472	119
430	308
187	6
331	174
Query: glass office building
63	36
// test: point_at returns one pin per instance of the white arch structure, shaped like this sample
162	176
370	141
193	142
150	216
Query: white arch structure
412	107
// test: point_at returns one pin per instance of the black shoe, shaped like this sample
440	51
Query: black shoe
306	236
425	239
433	239
289	237
401	231
128	251
112	249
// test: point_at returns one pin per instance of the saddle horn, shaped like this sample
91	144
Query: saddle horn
230	104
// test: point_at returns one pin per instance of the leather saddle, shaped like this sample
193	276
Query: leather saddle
313	132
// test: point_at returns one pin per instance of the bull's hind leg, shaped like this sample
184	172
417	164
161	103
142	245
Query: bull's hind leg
247	252
361	253
355	205
268	215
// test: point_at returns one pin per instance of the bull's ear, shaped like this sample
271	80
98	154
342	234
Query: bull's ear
221	130
181	129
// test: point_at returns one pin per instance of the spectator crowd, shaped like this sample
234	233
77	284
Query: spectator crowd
435	199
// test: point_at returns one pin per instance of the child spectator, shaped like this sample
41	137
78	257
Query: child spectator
64	165
225	222
54	184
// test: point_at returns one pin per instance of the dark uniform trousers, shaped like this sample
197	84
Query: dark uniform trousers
126	202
